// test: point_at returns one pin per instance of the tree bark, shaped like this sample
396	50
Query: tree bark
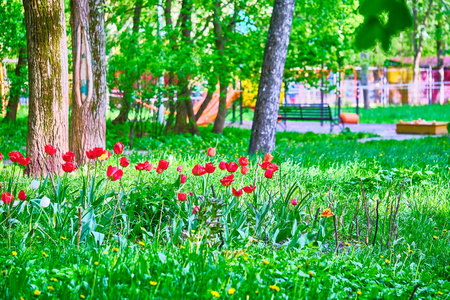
220	41
440	63
48	82
268	99
185	119
14	98
128	90
418	48
203	106
88	119
365	56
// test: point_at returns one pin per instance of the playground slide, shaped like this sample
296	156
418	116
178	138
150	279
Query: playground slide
211	110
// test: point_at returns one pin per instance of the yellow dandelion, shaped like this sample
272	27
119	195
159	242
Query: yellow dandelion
215	294
359	292
265	262
141	243
299	267
311	273
445	230
410	251
274	288
387	261
22	298
45	254
347	244
193	231
231	291
14	253
381	154
435	227
82	296
63	238
116	249
256	292
153	283
245	258
53	279
36	292
50	288
105	252
182	247
381	256
96	263
440	293
435	237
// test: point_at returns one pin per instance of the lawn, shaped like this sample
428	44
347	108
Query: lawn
139	241
389	114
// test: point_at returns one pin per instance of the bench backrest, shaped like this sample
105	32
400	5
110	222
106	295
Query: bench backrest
305	111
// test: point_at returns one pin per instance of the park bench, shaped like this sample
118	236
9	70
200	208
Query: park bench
307	112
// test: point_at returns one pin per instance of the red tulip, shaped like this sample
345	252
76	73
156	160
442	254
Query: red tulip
274	167
191	194
249	189
183	178
118	148
50	149
265	165
114	173
180	169
22	196
124	162
268	157
294	201
24	161
98	151
268	173
237	193
15	156
68	167
182	196
144	166
209	167
232	167
7	197
163	164
223	165
196	210
245	170
198	170
159	170
243	161
90	154
211	152
1	156
68	156
227	180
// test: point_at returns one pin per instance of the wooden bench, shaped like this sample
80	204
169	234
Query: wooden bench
307	112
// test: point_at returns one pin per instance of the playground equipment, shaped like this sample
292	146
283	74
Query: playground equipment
211	110
422	127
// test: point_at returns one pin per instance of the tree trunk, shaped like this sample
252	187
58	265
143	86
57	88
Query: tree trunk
440	63
184	106
365	56
220	41
203	106
268	99
88	119
126	99
48	82
222	112
14	97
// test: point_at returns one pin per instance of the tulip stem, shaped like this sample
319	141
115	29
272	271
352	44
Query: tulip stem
9	230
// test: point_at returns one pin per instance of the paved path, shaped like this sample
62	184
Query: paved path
385	131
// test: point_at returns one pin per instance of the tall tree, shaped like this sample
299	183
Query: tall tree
89	94
365	56
268	99
13	44
131	74
48	80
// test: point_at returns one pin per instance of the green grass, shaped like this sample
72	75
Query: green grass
385	115
190	256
